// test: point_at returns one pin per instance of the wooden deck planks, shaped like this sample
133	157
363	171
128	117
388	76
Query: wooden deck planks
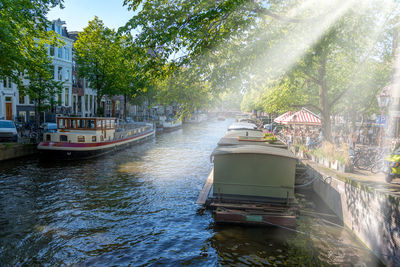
203	196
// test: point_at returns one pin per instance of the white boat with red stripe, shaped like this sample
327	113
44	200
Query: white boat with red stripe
78	138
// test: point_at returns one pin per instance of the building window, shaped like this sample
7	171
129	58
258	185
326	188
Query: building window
48	137
52	50
108	107
63	138
59	99
21	98
81	139
86	102
67	76
22	115
66	96
59	52
93	138
7	83
74	65
80	103
58	29
91	102
59	73
74	81
66	52
32	116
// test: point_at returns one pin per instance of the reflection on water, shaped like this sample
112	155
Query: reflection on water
137	208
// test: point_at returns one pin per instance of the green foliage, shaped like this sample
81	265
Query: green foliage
41	86
23	25
98	55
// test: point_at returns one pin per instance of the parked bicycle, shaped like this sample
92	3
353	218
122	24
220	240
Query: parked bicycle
364	157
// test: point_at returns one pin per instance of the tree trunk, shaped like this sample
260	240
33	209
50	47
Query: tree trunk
125	99
39	102
324	101
353	118
98	100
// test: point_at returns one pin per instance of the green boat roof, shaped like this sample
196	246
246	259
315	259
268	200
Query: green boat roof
253	149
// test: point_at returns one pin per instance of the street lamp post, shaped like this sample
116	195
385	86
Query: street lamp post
383	101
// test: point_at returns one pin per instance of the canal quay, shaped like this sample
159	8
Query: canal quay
137	207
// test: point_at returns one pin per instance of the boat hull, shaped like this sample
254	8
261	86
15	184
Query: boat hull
75	151
172	128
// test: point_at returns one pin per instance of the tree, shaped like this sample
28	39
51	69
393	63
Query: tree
311	57
134	71
41	87
23	24
98	53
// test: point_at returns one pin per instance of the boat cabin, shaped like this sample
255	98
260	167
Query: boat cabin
82	130
254	173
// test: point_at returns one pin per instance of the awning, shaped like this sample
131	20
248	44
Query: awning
282	117
304	117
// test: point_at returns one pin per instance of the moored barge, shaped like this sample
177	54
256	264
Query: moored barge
252	181
80	138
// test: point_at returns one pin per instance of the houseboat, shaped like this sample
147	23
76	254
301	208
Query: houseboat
252	181
242	126
171	125
78	138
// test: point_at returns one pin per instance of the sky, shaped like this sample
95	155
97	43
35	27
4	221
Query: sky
77	13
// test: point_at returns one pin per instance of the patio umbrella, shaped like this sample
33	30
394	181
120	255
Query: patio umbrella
303	117
282	117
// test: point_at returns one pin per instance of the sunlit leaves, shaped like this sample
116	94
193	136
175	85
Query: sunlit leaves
98	54
23	24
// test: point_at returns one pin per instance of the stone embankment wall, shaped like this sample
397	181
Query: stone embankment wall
14	150
370	209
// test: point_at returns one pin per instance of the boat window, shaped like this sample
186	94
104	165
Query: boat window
93	138
81	139
73	124
61	123
90	124
48	137
101	138
63	138
81	124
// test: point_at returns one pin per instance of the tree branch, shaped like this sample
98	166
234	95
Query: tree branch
338	97
309	105
315	80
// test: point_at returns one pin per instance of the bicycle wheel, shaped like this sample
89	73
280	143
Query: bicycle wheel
362	163
378	166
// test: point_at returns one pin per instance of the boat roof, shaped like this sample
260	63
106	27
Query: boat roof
243	132
232	138
242	126
253	149
88	118
235	141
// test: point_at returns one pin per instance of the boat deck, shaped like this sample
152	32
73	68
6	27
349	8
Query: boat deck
205	192
247	212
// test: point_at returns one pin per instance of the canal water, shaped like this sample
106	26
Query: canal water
137	208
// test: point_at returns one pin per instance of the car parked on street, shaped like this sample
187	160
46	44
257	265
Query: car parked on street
8	131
